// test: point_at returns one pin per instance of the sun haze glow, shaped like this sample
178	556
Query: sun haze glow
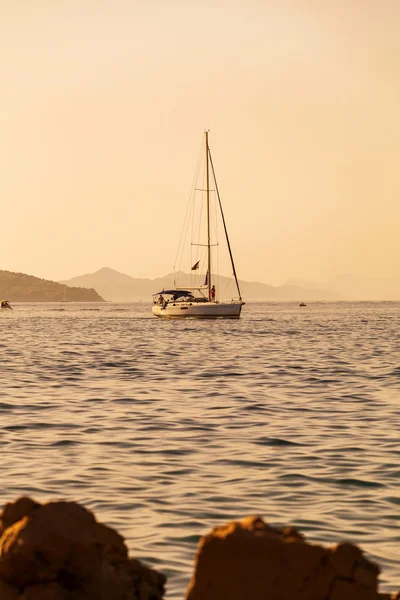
102	113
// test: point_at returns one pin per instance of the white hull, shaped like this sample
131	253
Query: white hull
199	310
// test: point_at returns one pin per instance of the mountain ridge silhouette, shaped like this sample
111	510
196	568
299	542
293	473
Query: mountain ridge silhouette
119	287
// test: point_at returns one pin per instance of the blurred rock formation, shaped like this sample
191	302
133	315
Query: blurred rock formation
58	551
247	559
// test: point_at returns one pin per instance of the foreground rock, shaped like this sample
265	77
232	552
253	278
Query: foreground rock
58	551
248	560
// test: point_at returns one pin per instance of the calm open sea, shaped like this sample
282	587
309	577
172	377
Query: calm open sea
167	428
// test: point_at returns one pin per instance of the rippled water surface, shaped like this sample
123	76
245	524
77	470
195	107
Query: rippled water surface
166	428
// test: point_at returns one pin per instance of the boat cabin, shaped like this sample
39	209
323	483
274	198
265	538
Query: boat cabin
174	297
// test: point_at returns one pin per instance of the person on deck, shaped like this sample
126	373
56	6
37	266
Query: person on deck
212	293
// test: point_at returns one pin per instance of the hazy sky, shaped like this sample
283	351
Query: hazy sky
102	109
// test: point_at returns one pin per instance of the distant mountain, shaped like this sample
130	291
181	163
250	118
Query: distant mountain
118	287
115	286
355	287
18	287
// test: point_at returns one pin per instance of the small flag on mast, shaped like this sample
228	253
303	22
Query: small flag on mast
196	266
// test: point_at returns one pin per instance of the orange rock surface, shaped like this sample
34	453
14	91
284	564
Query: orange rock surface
248	559
58	551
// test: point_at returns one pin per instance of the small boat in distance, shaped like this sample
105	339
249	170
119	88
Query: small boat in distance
201	300
5	305
302	304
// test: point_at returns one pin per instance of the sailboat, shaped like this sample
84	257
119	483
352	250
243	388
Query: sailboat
201	301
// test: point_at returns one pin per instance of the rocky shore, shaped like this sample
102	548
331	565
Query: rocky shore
58	551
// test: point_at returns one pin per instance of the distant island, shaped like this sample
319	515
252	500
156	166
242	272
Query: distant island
117	287
19	287
356	287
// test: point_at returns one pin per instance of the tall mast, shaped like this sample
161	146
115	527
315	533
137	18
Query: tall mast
208	218
225	228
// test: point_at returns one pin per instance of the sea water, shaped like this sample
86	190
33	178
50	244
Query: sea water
168	428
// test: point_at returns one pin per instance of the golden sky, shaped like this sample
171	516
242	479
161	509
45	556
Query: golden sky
102	112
